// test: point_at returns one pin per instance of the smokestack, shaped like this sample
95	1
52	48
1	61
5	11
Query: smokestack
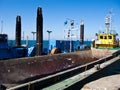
18	31
82	32
39	32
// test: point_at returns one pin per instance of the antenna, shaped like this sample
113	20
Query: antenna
110	13
23	35
1	27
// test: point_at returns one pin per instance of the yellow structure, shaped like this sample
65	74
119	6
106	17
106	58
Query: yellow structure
108	38
106	41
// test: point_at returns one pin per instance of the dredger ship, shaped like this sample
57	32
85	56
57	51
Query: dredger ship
107	41
21	73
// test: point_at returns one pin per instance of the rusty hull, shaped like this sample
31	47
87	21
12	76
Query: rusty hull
22	70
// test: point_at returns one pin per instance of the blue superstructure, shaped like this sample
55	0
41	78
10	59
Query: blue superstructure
63	45
8	52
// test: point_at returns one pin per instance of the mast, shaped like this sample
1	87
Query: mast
108	22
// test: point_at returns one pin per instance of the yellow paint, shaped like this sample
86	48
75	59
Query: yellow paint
106	41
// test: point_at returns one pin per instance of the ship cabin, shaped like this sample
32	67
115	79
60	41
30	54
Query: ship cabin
106	40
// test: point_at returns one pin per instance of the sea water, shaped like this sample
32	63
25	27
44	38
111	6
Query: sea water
64	45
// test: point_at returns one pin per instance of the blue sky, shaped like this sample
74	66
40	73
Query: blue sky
55	12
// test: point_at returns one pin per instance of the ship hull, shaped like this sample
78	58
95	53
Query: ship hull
103	52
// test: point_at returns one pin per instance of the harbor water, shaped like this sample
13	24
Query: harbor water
64	45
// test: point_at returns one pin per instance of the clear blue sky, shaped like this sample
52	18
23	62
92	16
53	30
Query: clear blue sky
55	12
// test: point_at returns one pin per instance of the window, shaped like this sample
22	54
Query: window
101	37
109	37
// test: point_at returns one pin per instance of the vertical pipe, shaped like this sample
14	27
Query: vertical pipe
18	31
39	30
82	32
49	39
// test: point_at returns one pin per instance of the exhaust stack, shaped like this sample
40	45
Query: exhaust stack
39	32
82	32
18	31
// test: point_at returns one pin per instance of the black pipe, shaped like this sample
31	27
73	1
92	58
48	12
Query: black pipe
82	32
18	31
39	30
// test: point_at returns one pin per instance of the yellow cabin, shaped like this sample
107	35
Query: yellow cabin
106	41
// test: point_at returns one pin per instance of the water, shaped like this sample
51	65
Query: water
30	42
62	44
